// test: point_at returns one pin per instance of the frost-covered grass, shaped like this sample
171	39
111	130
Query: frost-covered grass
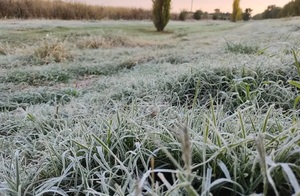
115	108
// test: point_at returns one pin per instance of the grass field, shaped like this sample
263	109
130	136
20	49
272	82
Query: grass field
116	108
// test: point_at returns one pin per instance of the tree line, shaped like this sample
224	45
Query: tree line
160	13
58	9
289	10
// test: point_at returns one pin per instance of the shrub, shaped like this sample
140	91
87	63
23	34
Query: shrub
161	13
174	16
272	12
215	17
258	17
198	14
247	14
182	15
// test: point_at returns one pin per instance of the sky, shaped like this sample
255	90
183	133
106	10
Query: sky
258	6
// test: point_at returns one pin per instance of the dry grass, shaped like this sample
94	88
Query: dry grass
107	40
67	11
111	40
3	50
51	50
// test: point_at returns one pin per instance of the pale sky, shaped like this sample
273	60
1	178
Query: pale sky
258	6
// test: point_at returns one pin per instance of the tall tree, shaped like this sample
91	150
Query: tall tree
236	11
161	13
271	12
291	9
247	14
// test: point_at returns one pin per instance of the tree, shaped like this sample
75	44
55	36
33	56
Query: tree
271	12
216	14
161	13
236	11
291	9
198	15
247	14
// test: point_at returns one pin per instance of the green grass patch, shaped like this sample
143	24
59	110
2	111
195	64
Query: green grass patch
233	88
36	77
62	75
14	101
221	154
242	48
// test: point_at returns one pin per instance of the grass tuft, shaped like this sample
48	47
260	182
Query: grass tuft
2	50
51	50
241	48
107	40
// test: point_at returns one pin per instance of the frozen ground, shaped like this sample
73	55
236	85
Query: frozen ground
63	82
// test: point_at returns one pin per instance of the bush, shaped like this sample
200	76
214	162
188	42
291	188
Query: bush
198	14
274	12
247	14
215	17
161	13
258	17
182	15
